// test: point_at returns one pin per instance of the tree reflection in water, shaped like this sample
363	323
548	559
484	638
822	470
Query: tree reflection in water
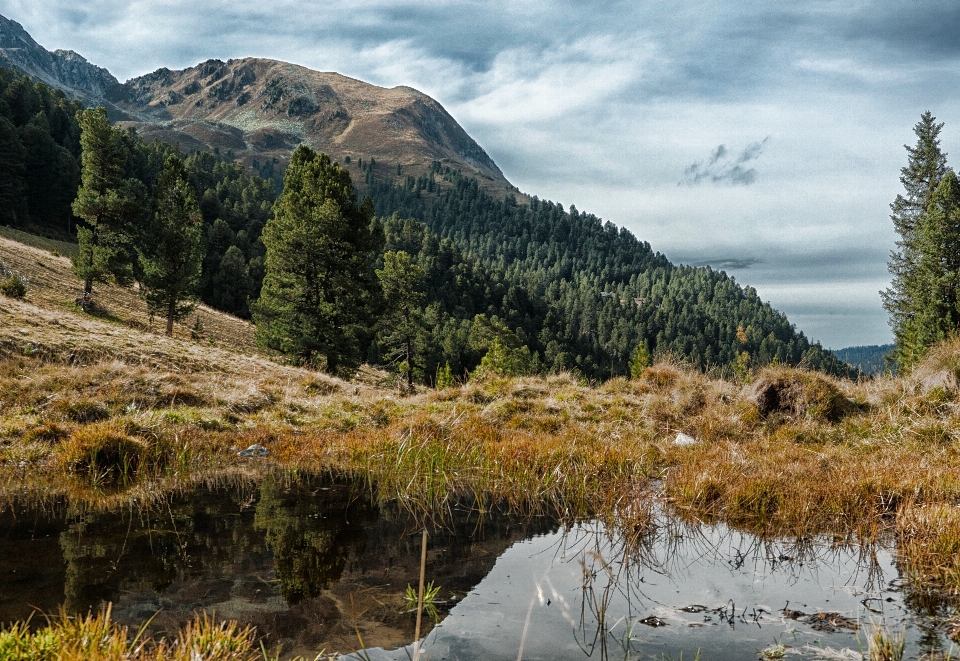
312	531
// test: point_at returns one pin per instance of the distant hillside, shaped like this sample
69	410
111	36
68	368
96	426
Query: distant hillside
870	359
260	110
585	293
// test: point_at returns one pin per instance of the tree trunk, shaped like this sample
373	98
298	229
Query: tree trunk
406	321
88	281
170	312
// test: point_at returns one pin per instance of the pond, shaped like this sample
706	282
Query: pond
319	568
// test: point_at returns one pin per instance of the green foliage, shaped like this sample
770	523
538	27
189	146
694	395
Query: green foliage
579	293
107	200
235	207
400	281
319	289
445	377
411	599
639	361
922	299
741	367
39	155
501	360
13	286
170	247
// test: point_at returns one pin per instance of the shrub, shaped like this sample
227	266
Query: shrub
13	286
639	361
793	392
445	377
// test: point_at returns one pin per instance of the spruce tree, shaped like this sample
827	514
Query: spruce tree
319	287
401	280
926	166
932	289
170	247
107	201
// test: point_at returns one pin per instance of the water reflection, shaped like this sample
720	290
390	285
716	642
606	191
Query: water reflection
584	593
317	565
313	563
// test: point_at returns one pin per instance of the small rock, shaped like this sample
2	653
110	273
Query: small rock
653	621
255	450
683	440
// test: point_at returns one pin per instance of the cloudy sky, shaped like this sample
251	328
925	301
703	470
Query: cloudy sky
758	137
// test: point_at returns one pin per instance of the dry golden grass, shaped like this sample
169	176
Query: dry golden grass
97	638
791	452
52	285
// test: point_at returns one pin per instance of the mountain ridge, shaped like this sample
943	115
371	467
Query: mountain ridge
261	109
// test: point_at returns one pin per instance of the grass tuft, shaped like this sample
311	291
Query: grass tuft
102	447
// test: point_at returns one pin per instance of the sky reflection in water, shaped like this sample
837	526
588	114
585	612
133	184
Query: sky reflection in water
313	562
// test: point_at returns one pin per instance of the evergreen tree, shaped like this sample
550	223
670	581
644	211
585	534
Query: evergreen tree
926	166
400	280
932	288
639	361
231	283
170	247
13	157
319	288
107	201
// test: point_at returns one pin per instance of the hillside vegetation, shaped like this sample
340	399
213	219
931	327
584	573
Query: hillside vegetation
559	289
584	293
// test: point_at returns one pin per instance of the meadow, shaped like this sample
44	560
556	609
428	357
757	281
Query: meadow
104	410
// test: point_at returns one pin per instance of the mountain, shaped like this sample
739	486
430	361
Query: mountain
561	289
869	359
63	69
260	110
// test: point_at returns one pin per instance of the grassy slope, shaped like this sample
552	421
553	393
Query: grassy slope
86	402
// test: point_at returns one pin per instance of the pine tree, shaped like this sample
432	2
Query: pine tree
107	201
932	289
319	289
639	361
400	280
170	247
926	166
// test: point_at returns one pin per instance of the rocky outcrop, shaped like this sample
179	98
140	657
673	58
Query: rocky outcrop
63	69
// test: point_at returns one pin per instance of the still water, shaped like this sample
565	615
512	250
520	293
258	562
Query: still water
320	569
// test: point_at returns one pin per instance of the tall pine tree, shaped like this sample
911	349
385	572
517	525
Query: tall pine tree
319	289
926	166
170	247
935	309
107	201
401	281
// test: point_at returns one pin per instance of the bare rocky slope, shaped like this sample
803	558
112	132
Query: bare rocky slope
262	109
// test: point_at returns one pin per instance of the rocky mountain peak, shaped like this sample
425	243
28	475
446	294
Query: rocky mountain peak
260	110
63	69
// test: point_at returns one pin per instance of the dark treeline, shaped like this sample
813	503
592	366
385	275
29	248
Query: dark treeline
553	289
39	154
583	294
40	175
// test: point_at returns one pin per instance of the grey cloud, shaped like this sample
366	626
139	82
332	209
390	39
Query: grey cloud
729	263
719	168
923	29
